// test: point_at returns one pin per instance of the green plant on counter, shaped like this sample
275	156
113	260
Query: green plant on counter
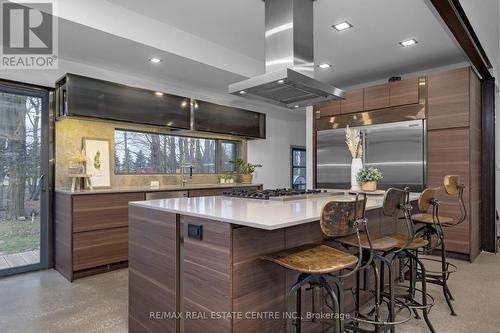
369	175
227	176
243	167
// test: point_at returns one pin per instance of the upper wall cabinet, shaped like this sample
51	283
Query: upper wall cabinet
327	109
376	97
354	101
83	96
448	99
403	92
210	117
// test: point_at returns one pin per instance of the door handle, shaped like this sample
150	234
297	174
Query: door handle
40	183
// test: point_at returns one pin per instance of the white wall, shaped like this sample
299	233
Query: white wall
274	152
284	127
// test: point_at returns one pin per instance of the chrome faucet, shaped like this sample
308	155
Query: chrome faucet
185	166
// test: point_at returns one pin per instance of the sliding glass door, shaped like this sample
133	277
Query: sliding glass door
23	179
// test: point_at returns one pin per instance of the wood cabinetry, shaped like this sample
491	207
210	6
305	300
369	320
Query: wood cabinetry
454	145
397	93
403	92
376	97
91	230
353	102
327	109
448	99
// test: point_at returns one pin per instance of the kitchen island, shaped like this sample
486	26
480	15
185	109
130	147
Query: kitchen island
200	258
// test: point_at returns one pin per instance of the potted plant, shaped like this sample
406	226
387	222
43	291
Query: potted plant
245	169
226	179
368	178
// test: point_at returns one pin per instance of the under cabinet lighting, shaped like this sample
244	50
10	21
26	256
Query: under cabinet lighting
295	106
281	81
408	42
155	60
243	92
342	26
158	93
324	66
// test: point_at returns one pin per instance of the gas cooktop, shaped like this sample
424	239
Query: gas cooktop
277	194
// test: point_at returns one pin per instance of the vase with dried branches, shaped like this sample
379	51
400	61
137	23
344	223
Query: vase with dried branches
355	145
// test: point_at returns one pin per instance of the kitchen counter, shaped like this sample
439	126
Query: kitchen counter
204	255
132	189
255	213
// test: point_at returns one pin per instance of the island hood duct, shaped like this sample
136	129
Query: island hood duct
289	79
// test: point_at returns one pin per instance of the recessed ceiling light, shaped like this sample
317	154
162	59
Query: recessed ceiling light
324	66
342	26
408	42
158	93
295	106
155	60
242	92
281	81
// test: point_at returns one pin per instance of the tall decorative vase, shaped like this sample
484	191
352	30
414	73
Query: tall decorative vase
356	165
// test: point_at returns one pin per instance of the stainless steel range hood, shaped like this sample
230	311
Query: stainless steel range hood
289	79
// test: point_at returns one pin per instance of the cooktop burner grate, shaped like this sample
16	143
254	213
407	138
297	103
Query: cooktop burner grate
275	194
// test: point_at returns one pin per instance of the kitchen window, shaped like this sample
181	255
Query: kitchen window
151	153
298	168
228	152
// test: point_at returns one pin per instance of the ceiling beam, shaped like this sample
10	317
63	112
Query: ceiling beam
454	19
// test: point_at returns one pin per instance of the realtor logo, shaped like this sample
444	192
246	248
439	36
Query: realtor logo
29	35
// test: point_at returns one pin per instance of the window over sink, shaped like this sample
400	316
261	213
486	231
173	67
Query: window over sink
154	153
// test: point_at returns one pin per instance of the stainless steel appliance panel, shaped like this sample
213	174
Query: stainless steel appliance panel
397	149
333	160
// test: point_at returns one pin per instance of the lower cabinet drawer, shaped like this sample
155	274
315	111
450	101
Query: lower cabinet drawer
100	247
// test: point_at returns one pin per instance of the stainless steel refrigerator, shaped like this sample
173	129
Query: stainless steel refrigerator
396	149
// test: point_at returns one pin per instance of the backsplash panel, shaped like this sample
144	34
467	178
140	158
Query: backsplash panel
71	131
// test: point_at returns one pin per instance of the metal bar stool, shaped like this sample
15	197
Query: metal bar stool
396	203
433	225
318	262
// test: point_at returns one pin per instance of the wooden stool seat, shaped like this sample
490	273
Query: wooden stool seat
383	242
313	259
379	242
415	244
427	218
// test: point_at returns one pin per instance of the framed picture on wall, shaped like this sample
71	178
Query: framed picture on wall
98	161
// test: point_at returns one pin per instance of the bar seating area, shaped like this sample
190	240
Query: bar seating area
389	268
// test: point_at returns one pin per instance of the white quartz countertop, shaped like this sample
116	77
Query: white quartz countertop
255	213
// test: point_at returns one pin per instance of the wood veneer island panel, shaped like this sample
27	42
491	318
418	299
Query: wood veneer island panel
221	273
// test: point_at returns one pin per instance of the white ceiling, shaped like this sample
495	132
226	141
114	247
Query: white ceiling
368	52
101	49
209	44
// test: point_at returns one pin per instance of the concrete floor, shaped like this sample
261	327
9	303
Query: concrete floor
46	302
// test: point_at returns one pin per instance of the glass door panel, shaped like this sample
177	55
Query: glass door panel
22	178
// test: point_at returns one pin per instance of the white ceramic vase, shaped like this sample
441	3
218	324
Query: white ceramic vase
356	165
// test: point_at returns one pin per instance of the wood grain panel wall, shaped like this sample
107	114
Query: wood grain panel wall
377	97
63	240
207	275
100	247
257	285
403	92
448	99
153	240
475	166
353	102
101	211
448	154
